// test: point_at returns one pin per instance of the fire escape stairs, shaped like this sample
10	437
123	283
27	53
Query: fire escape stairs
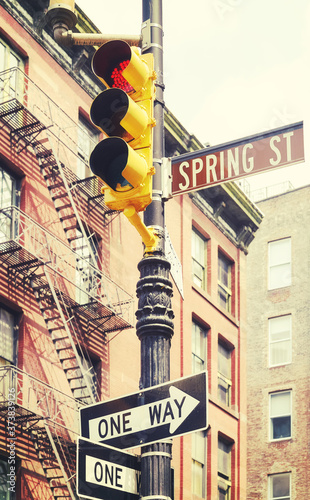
57	456
47	418
66	337
62	184
54	452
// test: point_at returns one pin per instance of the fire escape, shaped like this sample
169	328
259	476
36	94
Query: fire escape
46	421
78	301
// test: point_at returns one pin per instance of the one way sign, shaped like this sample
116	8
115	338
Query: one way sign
160	412
104	473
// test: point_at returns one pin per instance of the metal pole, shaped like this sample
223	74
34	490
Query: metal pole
154	288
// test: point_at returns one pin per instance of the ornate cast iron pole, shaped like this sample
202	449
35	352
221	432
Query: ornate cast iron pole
154	288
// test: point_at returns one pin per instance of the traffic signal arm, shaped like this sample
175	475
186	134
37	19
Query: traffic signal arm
149	238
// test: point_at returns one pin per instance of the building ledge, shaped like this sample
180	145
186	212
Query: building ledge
227	409
229	209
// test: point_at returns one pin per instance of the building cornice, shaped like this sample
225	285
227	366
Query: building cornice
225	205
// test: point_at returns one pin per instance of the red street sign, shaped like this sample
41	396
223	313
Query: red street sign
226	162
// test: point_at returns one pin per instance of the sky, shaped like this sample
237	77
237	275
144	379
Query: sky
232	68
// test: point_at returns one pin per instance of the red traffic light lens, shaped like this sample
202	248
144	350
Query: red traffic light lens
118	81
109	62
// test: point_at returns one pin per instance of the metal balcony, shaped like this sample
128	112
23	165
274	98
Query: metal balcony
25	246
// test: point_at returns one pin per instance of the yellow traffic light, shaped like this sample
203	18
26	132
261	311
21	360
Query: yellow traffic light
124	112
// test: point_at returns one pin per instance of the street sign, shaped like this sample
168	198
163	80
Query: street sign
176	266
159	412
252	155
105	473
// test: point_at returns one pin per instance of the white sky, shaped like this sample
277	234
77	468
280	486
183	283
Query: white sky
232	68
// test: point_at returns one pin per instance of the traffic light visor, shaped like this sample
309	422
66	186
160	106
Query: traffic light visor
117	65
116	114
118	165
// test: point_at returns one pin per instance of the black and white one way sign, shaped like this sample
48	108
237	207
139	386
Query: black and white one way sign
105	473
160	412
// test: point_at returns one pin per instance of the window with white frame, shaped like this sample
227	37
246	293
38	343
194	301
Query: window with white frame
8	57
199	348
224	374
8	198
85	276
224	469
280	487
280	415
12	81
279	257
280	340
199	259
224	282
7	337
198	464
89	373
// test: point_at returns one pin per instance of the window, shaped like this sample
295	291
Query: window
7	199
4	470
280	415
88	137
279	263
8	57
224	469
224	282
89	372
12	82
7	337
280	340
280	487
85	276
224	374
198	464
198	259
199	348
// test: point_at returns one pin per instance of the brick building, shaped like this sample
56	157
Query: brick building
68	276
278	350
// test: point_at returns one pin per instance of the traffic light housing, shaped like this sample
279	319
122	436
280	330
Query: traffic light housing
124	112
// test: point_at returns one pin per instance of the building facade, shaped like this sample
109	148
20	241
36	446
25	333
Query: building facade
278	350
68	276
213	463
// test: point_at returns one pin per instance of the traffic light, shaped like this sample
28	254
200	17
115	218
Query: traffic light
124	112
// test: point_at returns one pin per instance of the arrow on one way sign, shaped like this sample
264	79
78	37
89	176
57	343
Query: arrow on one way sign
156	413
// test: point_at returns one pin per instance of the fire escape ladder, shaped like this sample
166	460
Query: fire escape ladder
57	458
36	121
66	337
47	418
62	185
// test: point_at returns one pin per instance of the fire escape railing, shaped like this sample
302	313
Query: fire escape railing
50	419
57	272
37	121
40	398
15	85
59	258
